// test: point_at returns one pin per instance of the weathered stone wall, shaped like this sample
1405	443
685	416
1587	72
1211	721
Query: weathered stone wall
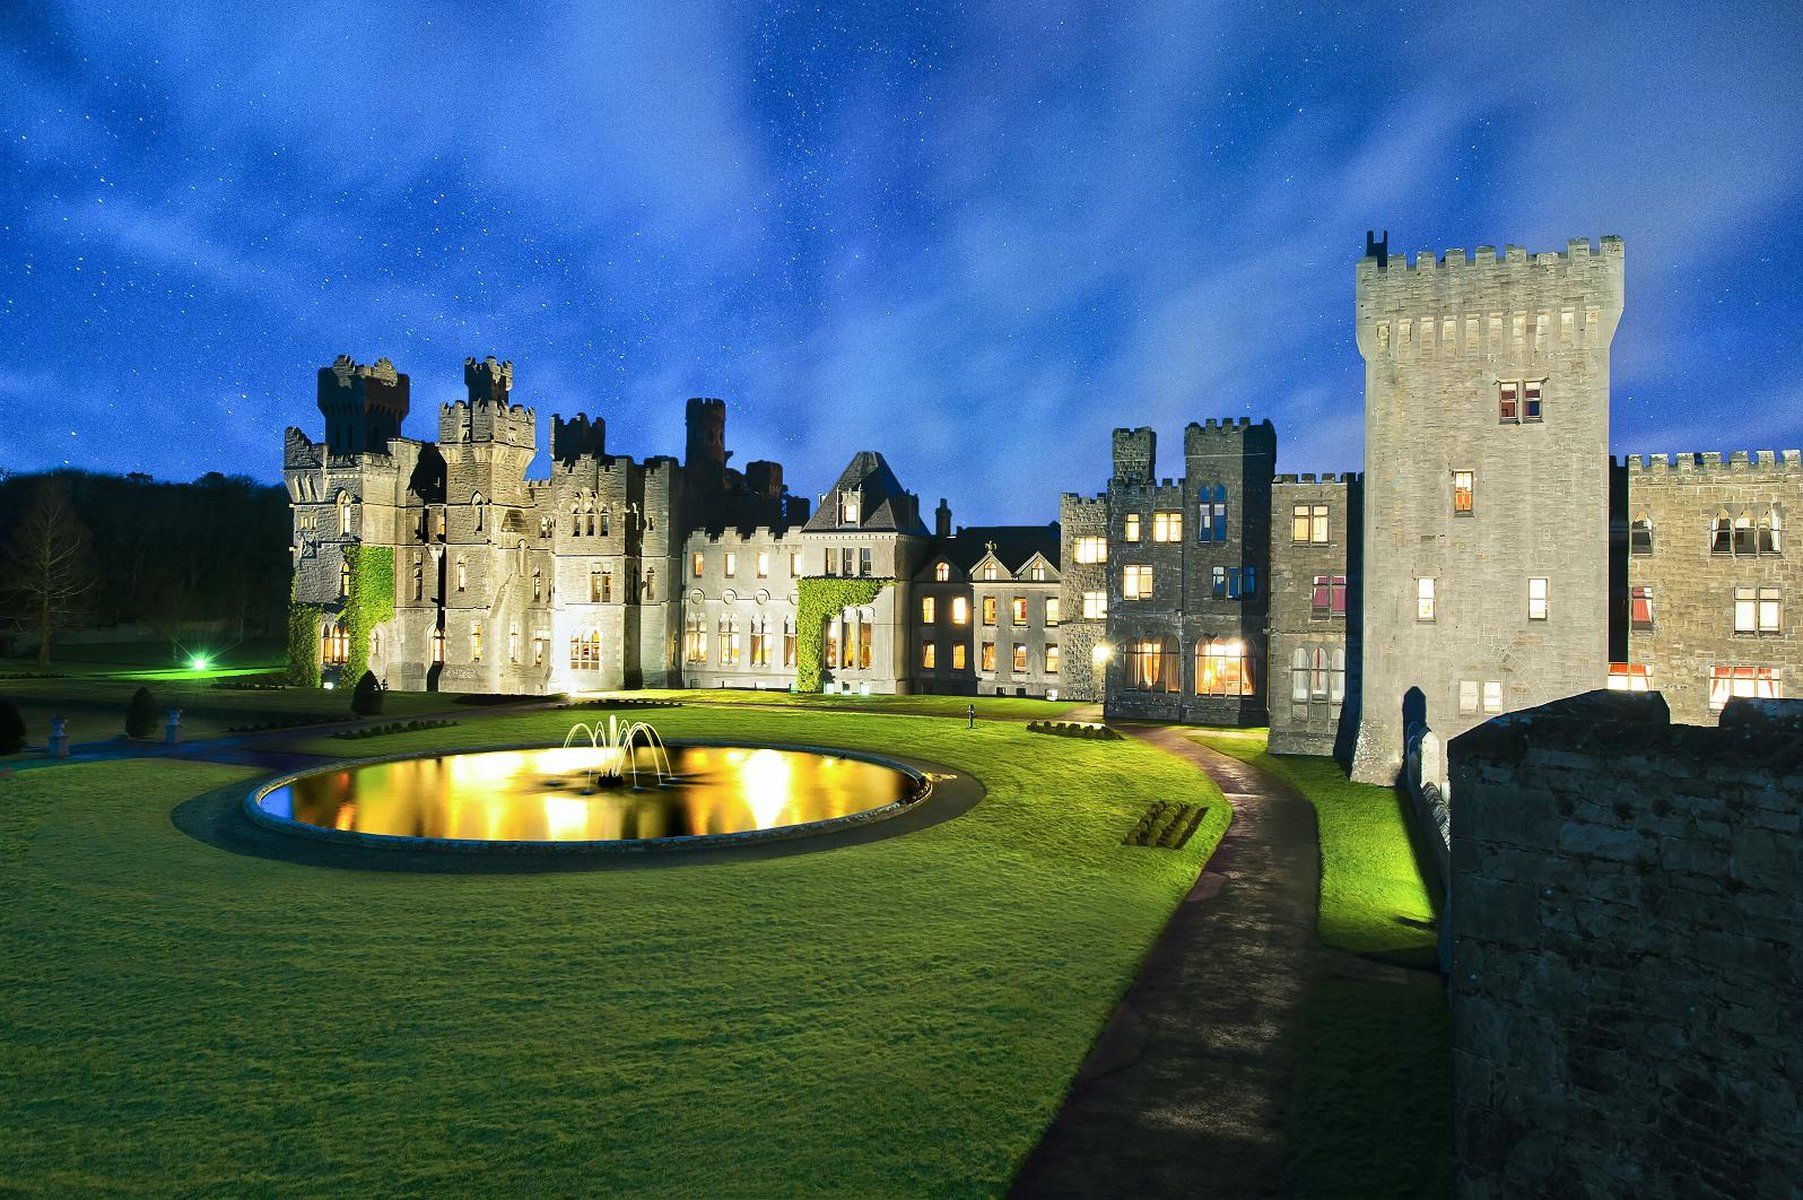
1627	983
1693	580
1304	719
1438	337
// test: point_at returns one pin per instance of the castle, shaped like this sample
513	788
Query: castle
1491	557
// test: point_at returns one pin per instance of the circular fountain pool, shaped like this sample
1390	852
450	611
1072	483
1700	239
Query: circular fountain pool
553	797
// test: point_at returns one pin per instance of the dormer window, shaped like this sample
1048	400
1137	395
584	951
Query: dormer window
989	571
942	572
849	508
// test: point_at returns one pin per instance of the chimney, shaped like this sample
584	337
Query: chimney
942	519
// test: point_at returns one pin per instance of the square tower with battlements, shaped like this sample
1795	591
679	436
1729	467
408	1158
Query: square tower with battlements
1486	584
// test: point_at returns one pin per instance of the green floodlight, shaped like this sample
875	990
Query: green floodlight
199	662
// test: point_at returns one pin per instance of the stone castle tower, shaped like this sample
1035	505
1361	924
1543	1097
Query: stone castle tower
1486	534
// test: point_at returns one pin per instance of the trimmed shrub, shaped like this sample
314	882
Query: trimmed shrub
366	701
141	714
12	728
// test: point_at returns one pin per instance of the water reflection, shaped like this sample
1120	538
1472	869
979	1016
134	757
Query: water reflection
545	795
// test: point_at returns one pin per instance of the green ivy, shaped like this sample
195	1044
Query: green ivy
303	644
822	598
369	602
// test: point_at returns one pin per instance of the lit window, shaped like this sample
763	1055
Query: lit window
1640	534
1318	530
929	655
344	515
1167	527
585	650
1051	658
438	646
1131	532
1536	599
960	610
987	662
1630	677
849	508
1095	605
463	574
1136	582
1152	665
928	610
475	641
538	649
942	572
1640	607
1018	658
1329	598
1308	523
960	656
1467	697
990	571
1424	600
1461	493
697	564
1223	668
595	585
1091	550
732	565
788	641
335	645
730	646
1017	613
988	610
694	639
1493	696
1051	611
763	564
1758	610
1759	683
795	562
513	643
344	579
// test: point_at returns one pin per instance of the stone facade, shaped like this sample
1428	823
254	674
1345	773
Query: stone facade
1626	910
1316	540
1486	484
1710	582
989	602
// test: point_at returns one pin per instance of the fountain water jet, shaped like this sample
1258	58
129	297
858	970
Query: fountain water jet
614	748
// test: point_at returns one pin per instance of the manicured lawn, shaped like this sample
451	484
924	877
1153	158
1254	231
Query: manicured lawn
900	1017
1371	1115
1374	900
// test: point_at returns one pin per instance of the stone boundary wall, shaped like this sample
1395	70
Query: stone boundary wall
1627	988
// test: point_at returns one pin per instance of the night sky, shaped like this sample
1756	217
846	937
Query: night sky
974	237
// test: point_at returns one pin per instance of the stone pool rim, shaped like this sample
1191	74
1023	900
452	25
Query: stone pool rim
252	808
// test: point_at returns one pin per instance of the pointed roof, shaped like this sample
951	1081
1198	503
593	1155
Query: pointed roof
1013	546
884	505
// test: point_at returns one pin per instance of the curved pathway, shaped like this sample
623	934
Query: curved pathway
1187	1090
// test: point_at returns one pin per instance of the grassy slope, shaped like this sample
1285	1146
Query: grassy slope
1372	1114
895	1018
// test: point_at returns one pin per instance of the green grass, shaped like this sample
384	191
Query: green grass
900	1017
1374	899
1371	1114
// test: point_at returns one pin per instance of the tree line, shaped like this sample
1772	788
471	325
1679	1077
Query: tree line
82	550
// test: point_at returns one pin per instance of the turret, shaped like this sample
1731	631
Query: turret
942	519
363	405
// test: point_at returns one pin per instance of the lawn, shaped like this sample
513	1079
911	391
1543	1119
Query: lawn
894	1018
1372	1113
1008	708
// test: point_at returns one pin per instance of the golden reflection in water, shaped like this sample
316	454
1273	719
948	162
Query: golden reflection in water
547	795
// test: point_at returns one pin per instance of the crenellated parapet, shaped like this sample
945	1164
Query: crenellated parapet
580	436
1784	463
1325	477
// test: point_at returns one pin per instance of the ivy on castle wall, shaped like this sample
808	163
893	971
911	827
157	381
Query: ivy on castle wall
369	602
819	599
303	644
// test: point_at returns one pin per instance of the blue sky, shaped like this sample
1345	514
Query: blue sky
972	236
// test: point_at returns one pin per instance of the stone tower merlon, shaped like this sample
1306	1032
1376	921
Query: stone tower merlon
764	479
488	415
363	405
1233	435
1135	455
489	379
581	436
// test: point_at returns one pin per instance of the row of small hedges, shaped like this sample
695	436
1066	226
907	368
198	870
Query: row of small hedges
1076	729
1167	825
818	599
621	702
253	683
354	735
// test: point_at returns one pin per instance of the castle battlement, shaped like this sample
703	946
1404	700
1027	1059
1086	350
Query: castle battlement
1579	253
1342	479
1711	462
732	537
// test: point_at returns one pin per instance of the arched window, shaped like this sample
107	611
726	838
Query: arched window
1640	533
575	521
1299	675
1721	533
585	650
438	645
1223	668
650	584
1745	540
463	574
538	583
1771	531
942	572
334	645
1152	665
419	580
604	522
481	510
344	580
344	514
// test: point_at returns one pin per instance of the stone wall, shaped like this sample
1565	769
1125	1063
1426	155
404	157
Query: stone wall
1080	517
1313	651
1627	988
1691	579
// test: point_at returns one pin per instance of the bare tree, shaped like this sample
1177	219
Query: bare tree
48	568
